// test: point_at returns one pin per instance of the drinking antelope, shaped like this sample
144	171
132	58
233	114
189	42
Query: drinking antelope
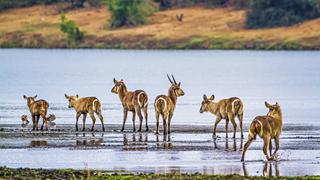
133	101
37	108
267	127
24	119
165	105
226	109
84	106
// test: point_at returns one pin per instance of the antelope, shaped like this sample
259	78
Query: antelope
267	127
180	17
165	105
226	109
51	118
134	101
24	119
37	108
84	106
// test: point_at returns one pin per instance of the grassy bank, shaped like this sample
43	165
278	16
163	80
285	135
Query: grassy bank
202	28
9	173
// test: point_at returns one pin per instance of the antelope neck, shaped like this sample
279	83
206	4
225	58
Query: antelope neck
122	92
172	95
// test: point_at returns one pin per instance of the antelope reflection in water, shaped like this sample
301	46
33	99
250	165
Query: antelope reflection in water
38	143
234	144
88	141
138	141
167	144
270	169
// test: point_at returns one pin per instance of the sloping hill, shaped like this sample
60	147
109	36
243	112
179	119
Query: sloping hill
221	28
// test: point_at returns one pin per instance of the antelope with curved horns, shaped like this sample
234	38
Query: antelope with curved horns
226	109
37	108
267	127
165	105
134	101
83	106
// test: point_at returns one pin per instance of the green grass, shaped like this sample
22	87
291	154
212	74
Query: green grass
10	173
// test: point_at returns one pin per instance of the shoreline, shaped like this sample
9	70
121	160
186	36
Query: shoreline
116	174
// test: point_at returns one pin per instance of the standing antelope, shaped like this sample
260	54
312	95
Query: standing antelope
267	127
84	106
133	101
165	105
226	109
37	108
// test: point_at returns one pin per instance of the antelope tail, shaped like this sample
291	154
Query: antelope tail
160	104
142	99
237	106
96	105
255	128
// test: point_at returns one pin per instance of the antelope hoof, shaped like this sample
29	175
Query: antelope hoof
103	129
241	136
92	129
83	129
242	159
139	130
147	129
122	130
157	132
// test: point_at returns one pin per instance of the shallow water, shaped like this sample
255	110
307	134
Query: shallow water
291	78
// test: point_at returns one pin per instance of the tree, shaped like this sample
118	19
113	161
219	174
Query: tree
129	12
272	13
75	36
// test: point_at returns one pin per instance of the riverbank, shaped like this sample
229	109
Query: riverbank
22	173
202	28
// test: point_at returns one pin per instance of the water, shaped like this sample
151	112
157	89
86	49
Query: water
290	78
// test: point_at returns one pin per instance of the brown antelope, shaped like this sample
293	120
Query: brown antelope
37	108
51	118
226	109
84	106
165	105
24	119
133	101
267	127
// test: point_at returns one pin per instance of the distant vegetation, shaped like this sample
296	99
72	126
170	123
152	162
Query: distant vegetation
273	13
129	13
260	13
75	36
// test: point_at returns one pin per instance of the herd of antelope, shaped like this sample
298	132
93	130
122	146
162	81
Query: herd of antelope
268	127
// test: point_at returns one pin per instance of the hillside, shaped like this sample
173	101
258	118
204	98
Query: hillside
220	28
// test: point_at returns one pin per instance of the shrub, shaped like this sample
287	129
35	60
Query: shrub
95	3
272	13
129	12
75	36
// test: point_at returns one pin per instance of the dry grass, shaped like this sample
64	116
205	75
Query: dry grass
201	22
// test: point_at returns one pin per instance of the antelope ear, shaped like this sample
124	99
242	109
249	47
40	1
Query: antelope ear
277	104
267	104
212	97
114	80
24	96
67	97
35	96
77	96
205	97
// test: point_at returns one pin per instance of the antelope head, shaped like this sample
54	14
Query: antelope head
274	110
205	103
30	99
118	85
72	100
175	87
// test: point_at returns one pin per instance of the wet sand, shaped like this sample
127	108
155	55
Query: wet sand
187	149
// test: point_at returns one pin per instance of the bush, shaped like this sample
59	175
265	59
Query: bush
75	36
95	3
6	4
272	13
129	12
